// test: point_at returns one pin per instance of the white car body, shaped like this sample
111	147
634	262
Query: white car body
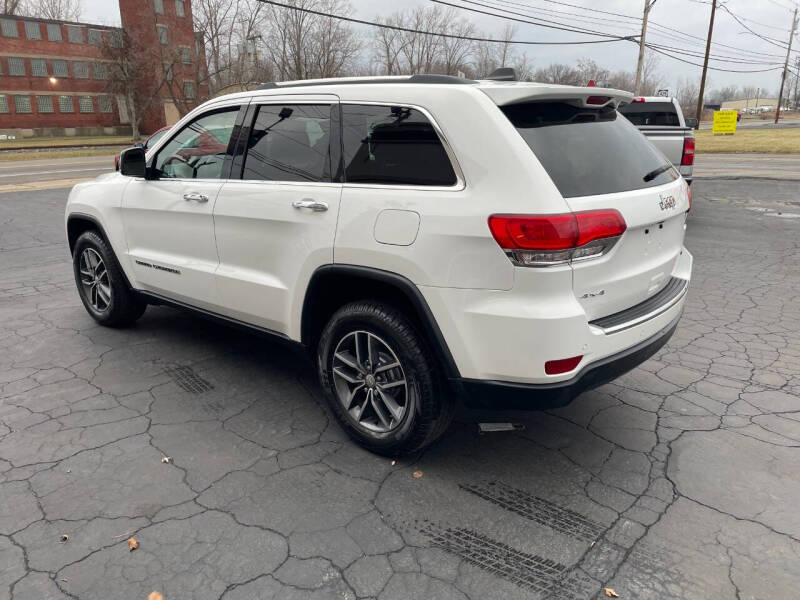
248	254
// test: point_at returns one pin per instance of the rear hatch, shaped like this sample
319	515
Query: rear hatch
598	160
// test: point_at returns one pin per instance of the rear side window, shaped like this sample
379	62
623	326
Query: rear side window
290	142
588	151
651	114
393	145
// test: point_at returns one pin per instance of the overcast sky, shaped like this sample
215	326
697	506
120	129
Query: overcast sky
768	17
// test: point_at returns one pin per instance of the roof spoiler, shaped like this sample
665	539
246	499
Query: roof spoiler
588	97
503	74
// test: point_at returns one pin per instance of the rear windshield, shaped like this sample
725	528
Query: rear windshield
588	151
652	113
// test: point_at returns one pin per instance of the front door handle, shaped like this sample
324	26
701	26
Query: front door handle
195	197
315	205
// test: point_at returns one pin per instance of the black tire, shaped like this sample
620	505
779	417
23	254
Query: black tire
124	306
429	405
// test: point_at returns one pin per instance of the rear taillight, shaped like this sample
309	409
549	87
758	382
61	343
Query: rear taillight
688	152
598	100
638	100
545	240
689	196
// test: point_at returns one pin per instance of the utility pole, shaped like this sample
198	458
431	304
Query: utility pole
648	4
786	66
796	80
705	63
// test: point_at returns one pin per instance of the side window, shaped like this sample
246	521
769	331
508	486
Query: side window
393	145
198	151
290	142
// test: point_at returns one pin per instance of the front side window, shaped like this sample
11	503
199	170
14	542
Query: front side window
290	143
54	32
22	104
60	68
75	34
393	145
199	150
32	30
16	66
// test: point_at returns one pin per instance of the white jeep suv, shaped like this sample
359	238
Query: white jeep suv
426	238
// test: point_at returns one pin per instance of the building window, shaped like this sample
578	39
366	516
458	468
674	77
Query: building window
180	8
60	68
168	74
95	37
85	104
32	30
75	34
100	70
188	90
54	32
116	38
38	67
80	69
162	34
159	6
105	103
45	104
3	104
186	55
9	27
22	104
65	104
16	66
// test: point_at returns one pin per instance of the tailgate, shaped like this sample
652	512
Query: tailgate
669	140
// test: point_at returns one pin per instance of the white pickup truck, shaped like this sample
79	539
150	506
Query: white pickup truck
661	121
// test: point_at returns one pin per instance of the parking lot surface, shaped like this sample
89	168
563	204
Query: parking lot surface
211	448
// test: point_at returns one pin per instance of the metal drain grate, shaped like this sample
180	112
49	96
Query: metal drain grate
538	510
525	570
188	380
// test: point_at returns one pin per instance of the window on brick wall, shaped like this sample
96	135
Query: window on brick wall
159	6
22	104
60	68
95	37
45	104
3	103
9	28
32	30
65	104
1	67
116	38
168	74
16	66
38	67
188	90
75	34
180	8
85	104
80	69
54	32
106	106
186	55
100	70
162	34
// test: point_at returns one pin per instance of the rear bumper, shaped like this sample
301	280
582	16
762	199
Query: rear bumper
501	395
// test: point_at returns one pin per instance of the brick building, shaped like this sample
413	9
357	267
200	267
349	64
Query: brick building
56	77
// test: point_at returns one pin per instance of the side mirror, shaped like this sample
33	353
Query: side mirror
132	162
691	123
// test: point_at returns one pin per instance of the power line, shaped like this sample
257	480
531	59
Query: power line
769	40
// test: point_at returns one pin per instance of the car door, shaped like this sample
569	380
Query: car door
276	224
168	218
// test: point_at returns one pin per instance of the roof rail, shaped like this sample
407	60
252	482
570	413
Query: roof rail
503	74
424	78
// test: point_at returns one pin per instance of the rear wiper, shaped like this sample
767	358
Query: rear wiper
656	172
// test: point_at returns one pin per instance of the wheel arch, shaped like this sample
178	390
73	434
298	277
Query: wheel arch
333	286
80	223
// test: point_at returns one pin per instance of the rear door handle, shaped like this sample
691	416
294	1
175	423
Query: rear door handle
315	205
195	197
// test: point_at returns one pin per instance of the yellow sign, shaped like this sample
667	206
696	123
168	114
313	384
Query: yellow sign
724	122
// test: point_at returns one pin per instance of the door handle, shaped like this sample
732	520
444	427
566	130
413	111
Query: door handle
315	205
195	197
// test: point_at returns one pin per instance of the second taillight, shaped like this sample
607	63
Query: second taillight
544	240
688	152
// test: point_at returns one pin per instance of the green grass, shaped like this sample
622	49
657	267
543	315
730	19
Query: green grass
62	141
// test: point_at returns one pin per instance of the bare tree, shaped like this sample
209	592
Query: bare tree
57	10
489	56
686	92
14	7
652	79
589	70
559	73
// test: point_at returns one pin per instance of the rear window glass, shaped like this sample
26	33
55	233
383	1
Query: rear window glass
588	151
651	113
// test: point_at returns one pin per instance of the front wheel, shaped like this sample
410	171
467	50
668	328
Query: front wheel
381	380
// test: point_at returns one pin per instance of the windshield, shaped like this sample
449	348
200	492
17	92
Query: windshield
154	138
651	114
588	151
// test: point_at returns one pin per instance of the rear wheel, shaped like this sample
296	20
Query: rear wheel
381	380
101	285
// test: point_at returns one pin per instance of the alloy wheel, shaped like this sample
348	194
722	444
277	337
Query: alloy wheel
94	280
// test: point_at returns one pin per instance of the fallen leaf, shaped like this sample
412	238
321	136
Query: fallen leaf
611	593
394	462
592	546
166	459
417	474
133	544
64	538
155	596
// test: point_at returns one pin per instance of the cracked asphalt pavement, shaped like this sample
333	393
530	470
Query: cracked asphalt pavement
679	480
